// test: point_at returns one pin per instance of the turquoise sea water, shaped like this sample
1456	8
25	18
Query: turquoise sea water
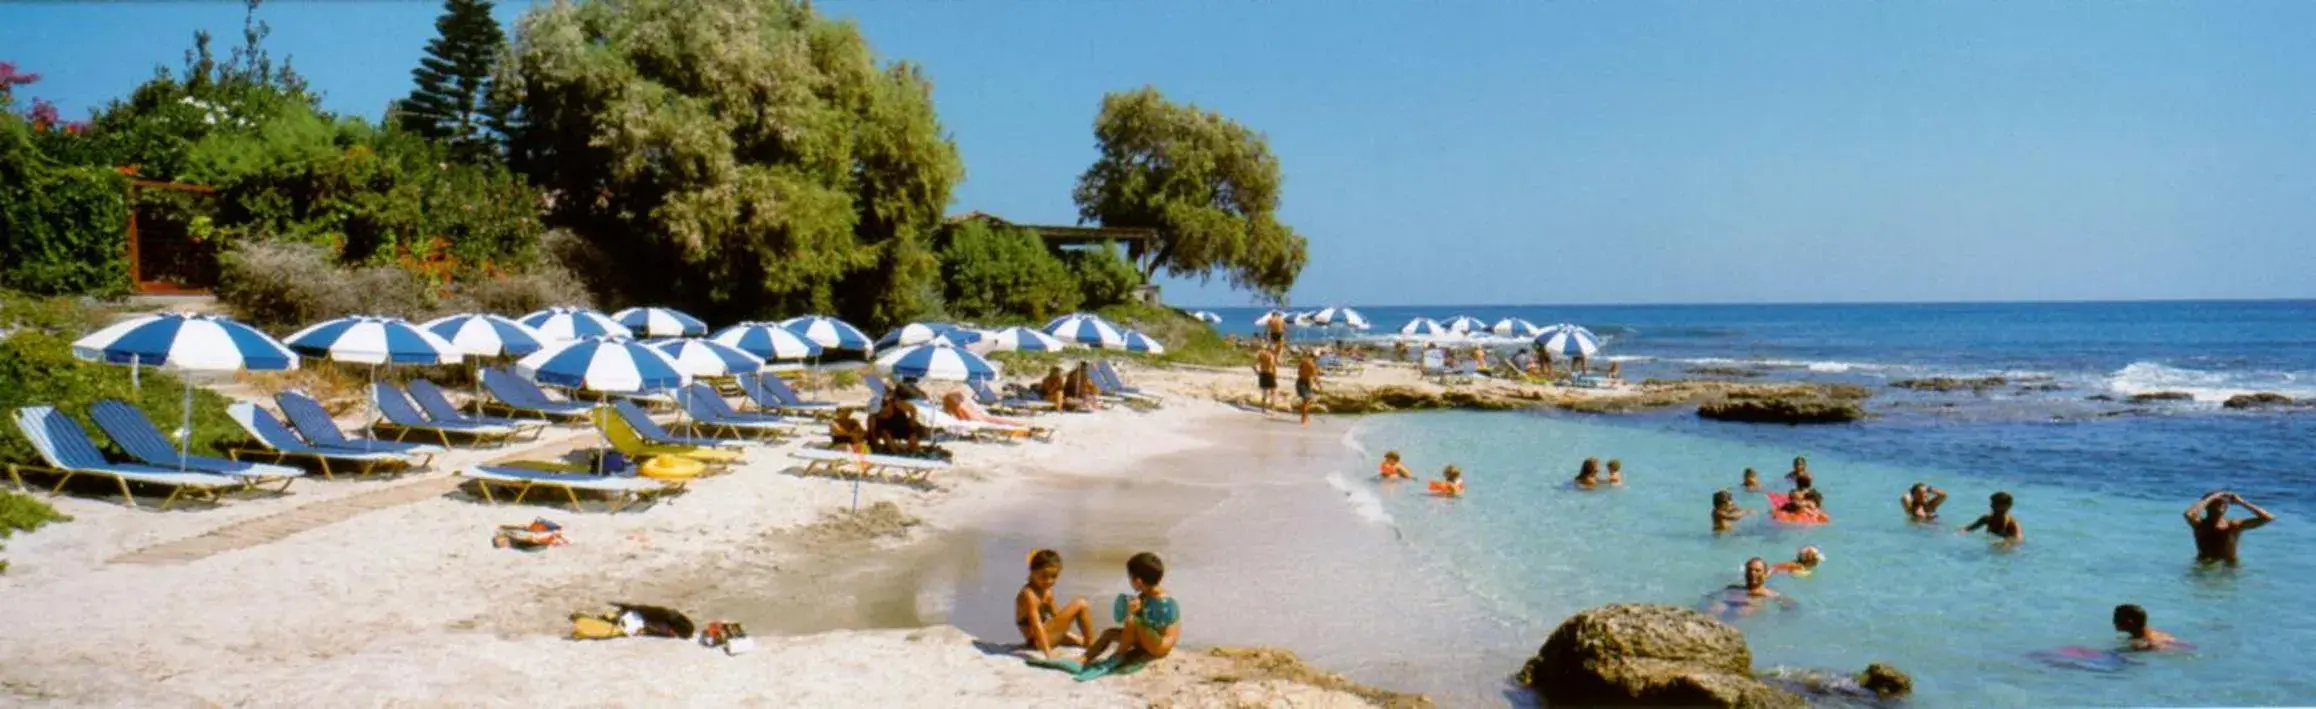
2100	480
1957	612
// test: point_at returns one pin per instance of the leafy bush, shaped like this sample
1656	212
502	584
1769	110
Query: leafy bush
287	284
513	294
37	368
1104	276
991	271
24	513
70	317
60	225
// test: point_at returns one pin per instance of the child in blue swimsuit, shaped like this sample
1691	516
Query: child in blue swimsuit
1151	620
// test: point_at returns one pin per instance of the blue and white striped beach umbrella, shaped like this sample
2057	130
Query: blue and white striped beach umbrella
1135	341
486	335
1423	327
918	334
829	332
1515	327
603	364
1072	316
936	360
1340	316
961	334
1208	316
567	324
1266	318
1568	340
1022	339
186	341
1088	331
660	322
1465	324
363	339
768	340
707	358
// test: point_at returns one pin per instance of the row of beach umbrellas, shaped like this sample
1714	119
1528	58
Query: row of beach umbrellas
1566	339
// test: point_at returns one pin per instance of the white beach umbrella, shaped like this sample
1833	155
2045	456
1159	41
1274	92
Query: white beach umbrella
936	360
1091	332
564	324
767	340
1465	324
1022	339
486	335
1207	316
1515	327
1568	340
1345	317
829	332
660	322
1135	341
1423	327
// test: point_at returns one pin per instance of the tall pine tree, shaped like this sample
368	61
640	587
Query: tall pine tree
451	103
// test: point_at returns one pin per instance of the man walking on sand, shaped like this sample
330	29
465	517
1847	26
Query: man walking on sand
1267	374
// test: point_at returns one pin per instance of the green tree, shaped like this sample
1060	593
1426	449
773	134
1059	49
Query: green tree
451	102
1209	186
998	271
1103	276
738	159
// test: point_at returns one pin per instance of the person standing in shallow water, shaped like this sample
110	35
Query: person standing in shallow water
2215	534
1921	502
1998	521
1306	383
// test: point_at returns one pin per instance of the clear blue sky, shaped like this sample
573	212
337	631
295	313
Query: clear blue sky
1572	152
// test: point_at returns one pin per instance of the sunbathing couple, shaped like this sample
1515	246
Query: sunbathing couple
1450	484
1150	621
892	430
1075	391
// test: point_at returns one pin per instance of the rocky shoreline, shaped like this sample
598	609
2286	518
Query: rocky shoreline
1755	402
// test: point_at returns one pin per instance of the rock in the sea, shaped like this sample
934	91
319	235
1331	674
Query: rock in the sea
1876	686
1885	681
2161	396
2254	401
1714	370
1793	410
1649	655
1950	383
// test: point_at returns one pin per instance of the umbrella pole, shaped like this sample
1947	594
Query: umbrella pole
136	364
185	428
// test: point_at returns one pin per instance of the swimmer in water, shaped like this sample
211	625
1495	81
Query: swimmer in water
1616	472
1800	475
1726	512
1921	502
2215	534
1588	475
2131	620
1451	482
1392	468
1743	600
1802	564
1998	521
1752	481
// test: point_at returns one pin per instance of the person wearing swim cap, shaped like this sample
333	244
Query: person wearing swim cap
1921	502
1804	562
2215	534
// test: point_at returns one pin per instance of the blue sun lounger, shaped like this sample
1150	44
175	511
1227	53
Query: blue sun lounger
314	422
1106	377
519	396
770	393
138	437
437	406
397	414
844	463
277	440
652	432
618	491
709	411
985	396
62	443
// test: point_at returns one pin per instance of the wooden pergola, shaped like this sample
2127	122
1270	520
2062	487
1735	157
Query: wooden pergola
1137	240
138	281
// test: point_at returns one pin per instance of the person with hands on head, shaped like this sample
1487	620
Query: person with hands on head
2215	534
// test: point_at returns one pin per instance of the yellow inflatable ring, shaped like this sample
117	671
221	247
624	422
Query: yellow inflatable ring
671	467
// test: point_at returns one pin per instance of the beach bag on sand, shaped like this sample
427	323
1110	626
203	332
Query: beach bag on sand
594	627
539	534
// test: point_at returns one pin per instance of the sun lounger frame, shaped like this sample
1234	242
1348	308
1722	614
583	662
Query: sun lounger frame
179	489
524	483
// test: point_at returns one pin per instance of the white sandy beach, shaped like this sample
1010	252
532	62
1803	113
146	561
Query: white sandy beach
387	591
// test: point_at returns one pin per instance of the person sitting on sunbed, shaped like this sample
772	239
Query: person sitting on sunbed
894	430
1054	389
845	432
908	389
1081	386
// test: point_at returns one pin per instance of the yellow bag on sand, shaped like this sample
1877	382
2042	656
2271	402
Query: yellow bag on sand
589	627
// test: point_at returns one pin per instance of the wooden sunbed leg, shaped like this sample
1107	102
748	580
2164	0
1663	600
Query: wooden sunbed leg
522	492
444	435
59	489
574	495
13	478
125	496
325	463
485	487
